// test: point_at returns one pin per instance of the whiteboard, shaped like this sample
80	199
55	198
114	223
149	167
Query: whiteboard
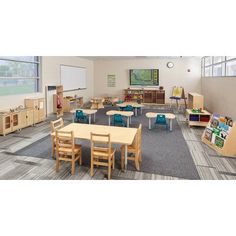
73	78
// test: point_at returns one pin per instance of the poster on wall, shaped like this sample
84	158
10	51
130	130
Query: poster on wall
111	81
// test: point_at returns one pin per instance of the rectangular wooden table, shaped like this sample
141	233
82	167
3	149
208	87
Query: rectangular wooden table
153	115
128	114
119	135
88	112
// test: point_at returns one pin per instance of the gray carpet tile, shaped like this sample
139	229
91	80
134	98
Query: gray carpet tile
164	152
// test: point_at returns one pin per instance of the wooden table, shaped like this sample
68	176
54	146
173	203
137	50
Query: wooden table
88	112
152	115
135	105
119	135
128	114
97	103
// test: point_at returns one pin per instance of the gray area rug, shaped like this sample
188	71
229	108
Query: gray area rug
163	152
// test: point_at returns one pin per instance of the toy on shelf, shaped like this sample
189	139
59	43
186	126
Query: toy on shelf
220	134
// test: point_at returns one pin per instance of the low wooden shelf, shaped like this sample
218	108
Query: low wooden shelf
71	103
197	118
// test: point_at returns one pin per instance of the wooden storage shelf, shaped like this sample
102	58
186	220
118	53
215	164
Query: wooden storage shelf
145	95
223	145
197	119
195	101
71	103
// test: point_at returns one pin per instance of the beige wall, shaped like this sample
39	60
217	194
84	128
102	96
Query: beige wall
178	75
51	76
220	95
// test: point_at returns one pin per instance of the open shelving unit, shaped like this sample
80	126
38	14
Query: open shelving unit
197	118
220	135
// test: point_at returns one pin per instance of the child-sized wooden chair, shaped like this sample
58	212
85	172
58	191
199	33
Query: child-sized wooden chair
135	149
102	154
177	95
67	150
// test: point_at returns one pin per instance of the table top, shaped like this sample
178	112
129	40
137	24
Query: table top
85	111
204	112
133	104
119	135
123	113
154	115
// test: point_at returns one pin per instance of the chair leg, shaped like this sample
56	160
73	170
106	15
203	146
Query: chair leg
136	162
113	164
122	160
109	172
57	164
80	158
91	170
73	167
53	148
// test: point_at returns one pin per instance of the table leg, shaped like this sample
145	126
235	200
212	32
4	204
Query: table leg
89	119
141	110
170	124
130	120
149	123
136	111
94	117
109	120
127	122
126	157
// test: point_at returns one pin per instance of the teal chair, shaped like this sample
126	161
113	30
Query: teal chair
118	120
128	108
161	120
80	117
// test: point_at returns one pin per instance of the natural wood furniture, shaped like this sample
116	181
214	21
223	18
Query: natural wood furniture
97	103
135	105
153	115
88	112
195	101
17	120
58	101
72	103
197	118
127	114
134	148
220	136
38	106
145	95
178	94
67	150
55	125
119	135
102	154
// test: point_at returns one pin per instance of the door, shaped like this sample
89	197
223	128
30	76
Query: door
29	117
15	121
7	127
41	109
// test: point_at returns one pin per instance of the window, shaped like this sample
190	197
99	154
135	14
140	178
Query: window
19	75
218	66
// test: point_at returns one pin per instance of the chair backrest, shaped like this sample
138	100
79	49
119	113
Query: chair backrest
118	118
79	114
100	142
161	119
64	142
57	124
128	108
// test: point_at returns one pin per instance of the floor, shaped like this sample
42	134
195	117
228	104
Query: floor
209	164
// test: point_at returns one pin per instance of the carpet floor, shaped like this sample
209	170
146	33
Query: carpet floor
163	152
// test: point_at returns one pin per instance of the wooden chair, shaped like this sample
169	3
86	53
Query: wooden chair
135	149
102	154
67	150
55	125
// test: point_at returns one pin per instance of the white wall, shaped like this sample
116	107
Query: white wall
220	95
51	76
177	75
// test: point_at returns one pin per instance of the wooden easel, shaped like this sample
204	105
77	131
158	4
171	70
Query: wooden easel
178	94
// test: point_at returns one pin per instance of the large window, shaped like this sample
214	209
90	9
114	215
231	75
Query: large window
218	66
19	75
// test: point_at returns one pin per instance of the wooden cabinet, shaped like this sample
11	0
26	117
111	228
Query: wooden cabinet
26	118
195	101
145	95
9	122
38	106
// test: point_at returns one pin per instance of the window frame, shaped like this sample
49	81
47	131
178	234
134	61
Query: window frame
223	63
38	78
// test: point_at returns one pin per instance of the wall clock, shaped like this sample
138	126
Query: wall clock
170	64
